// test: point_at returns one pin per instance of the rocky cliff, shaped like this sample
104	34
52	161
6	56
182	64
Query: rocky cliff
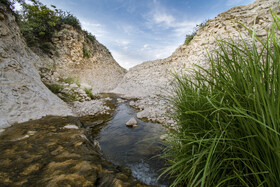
22	94
84	59
155	77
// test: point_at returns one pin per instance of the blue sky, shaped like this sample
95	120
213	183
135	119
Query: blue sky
140	30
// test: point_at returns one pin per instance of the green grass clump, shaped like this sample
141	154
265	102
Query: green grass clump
69	80
86	53
229	118
55	88
189	37
89	93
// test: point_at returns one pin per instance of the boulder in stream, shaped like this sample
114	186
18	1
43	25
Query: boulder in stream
132	123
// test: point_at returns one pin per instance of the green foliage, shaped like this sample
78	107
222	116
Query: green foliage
55	88
5	2
38	23
70	19
89	93
69	97
89	36
86	53
69	80
228	118
189	37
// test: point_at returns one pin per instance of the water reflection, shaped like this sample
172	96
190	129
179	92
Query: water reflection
134	148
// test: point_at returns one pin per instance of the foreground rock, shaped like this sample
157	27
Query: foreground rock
22	94
93	107
55	152
132	123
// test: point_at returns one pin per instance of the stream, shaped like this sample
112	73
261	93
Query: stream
88	151
134	148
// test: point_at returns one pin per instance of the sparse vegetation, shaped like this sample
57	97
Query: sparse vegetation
89	36
86	53
189	37
71	80
89	93
69	97
228	118
55	88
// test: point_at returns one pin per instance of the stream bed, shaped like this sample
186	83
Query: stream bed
88	151
134	148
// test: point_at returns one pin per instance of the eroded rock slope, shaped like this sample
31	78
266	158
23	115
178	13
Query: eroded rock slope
84	59
150	79
22	94
155	77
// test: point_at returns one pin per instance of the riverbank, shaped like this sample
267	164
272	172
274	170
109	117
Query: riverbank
54	151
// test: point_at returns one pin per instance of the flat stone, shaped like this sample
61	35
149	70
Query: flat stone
71	127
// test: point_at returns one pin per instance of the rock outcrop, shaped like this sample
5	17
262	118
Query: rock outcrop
84	59
22	94
150	79
155	77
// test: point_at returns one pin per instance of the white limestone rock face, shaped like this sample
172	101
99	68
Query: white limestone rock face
99	70
22	94
152	78
155	77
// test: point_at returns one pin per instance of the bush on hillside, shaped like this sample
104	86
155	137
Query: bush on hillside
189	37
228	118
38	23
70	19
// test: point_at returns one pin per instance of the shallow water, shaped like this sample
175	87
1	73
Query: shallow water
134	148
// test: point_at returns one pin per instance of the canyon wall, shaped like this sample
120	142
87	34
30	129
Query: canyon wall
84	59
155	77
22	94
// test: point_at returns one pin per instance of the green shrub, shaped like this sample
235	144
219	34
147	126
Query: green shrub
70	19
89	93
189	37
38	24
55	88
47	47
86	53
89	36
68	97
228	118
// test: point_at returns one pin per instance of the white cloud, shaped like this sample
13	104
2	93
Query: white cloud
146	45
238	2
125	60
160	17
128	59
95	28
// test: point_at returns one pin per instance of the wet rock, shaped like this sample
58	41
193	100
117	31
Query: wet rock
69	126
163	137
131	123
119	100
55	156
